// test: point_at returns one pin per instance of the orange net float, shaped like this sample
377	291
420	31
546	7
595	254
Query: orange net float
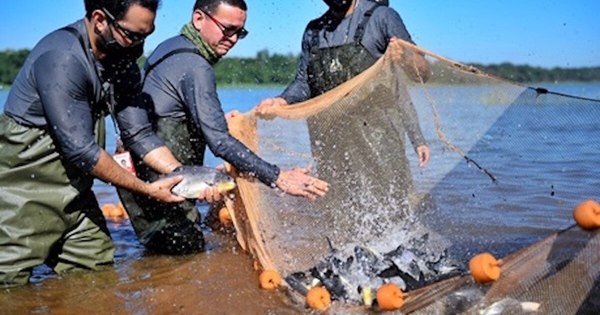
225	216
587	215
122	212
109	209
318	298
269	279
484	268
390	297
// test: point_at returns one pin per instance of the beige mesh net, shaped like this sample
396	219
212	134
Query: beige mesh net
508	164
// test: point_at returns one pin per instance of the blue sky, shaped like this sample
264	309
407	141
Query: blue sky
547	33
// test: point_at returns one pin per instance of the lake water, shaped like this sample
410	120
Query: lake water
223	279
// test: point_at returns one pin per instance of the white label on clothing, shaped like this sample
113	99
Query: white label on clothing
124	159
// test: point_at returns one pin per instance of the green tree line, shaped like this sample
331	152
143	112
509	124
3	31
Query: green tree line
10	63
277	69
528	74
264	69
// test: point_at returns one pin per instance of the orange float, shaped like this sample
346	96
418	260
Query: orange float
122	211
269	279
318	298
390	297
108	209
587	215
484	268
224	216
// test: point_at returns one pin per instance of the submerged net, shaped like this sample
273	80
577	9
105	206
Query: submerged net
508	164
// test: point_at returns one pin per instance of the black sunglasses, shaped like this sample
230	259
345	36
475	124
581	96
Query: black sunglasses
135	37
228	31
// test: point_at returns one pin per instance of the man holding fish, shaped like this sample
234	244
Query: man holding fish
180	90
52	139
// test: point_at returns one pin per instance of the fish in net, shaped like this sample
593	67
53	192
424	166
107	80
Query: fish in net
508	164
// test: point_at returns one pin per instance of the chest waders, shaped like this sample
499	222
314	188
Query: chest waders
171	229
48	212
366	123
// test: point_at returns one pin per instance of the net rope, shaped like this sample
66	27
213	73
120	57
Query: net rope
508	164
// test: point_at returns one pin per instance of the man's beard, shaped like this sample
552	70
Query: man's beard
116	53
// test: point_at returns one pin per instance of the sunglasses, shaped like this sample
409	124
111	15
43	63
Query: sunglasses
135	37
228	31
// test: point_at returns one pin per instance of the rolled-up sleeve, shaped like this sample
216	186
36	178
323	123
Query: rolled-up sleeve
198	88
63	83
132	115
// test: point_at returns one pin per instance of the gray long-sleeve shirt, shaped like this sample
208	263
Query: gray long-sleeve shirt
59	88
184	86
384	24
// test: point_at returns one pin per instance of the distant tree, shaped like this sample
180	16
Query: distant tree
11	62
277	69
529	74
264	69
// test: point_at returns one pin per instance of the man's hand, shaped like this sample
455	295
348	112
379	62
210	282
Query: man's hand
413	62
396	50
211	195
161	190
297	182
267	107
424	154
232	114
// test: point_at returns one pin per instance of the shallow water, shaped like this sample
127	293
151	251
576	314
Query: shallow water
222	280
219	281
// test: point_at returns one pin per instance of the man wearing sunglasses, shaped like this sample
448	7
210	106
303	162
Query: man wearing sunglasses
52	138
180	89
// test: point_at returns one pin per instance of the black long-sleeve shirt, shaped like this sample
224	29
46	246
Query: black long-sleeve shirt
384	24
184	86
59	88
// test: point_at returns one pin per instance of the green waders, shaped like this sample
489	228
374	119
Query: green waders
171	229
48	213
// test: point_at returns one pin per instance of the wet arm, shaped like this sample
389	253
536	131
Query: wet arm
299	90
410	119
138	136
63	86
199	93
391	24
415	65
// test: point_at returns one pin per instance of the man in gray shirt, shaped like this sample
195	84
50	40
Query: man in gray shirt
52	138
349	38
352	34
180	91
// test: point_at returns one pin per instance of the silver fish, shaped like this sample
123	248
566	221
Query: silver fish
353	273
196	179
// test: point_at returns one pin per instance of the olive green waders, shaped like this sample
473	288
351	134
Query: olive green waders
48	213
171	229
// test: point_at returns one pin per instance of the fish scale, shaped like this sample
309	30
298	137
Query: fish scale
197	179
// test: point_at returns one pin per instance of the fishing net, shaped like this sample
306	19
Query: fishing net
508	164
